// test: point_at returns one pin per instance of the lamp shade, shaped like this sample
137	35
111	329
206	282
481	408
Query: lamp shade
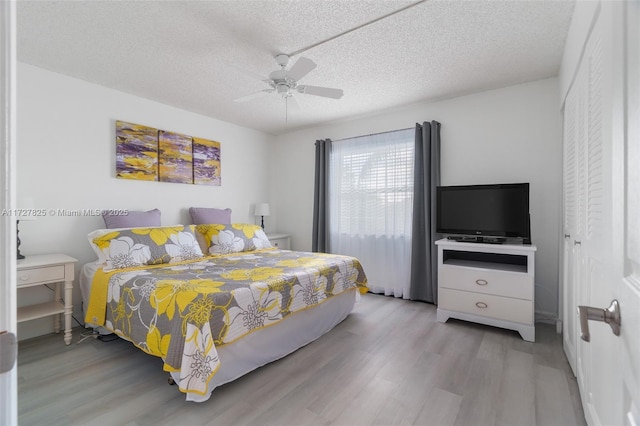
262	209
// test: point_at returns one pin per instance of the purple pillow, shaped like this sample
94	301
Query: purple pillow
121	218
207	215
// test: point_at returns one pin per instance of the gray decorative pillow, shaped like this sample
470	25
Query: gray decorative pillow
208	215
233	238
126	248
117	218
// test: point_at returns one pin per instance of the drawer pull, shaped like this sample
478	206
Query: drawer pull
25	277
482	282
481	305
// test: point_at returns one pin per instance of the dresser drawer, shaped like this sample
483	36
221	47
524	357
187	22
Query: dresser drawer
486	305
39	275
488	281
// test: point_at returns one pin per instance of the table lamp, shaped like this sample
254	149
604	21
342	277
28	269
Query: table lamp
262	210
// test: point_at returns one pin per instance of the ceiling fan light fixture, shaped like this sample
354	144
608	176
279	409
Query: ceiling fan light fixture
284	90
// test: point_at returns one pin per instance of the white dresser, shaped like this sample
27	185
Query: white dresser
490	284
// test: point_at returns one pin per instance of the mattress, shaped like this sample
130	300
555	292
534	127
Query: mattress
260	346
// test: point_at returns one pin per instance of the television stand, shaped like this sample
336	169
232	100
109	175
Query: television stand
477	239
487	283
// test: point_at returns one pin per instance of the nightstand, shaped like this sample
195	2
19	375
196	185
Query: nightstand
280	241
56	269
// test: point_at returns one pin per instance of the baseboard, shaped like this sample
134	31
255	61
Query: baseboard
549	318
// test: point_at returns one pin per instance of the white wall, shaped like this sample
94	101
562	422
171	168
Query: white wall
66	160
512	134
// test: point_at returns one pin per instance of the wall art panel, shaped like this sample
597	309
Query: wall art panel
206	162
136	151
175	157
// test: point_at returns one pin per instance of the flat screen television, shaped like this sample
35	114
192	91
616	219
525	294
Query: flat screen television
484	213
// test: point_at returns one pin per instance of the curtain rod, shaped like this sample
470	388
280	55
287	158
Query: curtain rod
372	134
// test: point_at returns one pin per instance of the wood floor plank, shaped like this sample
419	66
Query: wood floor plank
418	382
363	409
331	403
481	392
389	363
516	401
321	382
393	413
493	345
440	409
553	399
412	392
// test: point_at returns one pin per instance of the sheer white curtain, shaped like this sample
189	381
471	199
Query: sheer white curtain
371	201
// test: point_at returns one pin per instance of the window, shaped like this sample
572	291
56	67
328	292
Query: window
371	202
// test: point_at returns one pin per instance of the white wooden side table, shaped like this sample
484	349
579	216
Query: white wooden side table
281	241
56	269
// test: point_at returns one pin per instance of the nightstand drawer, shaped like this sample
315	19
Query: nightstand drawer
502	283
39	275
486	305
280	241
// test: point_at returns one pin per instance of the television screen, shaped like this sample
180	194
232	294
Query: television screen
500	210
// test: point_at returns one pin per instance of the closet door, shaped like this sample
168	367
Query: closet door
597	378
579	261
575	212
603	245
570	179
587	243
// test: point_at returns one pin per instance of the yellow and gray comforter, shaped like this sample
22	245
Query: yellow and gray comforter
181	312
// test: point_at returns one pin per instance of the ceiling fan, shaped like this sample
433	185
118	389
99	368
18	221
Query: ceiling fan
285	82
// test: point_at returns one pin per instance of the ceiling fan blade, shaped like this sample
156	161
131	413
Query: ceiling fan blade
255	95
321	91
302	67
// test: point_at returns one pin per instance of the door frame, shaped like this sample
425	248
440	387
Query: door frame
8	124
628	252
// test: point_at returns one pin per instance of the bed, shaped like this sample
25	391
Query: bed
216	314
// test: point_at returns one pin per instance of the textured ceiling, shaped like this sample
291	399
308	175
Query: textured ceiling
201	55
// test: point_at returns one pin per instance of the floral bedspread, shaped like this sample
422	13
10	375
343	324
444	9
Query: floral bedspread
182	312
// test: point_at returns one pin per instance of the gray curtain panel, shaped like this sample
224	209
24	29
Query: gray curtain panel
320	238
424	256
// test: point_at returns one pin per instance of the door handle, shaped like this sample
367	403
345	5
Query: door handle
611	316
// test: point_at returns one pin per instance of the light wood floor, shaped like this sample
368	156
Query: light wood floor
388	363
